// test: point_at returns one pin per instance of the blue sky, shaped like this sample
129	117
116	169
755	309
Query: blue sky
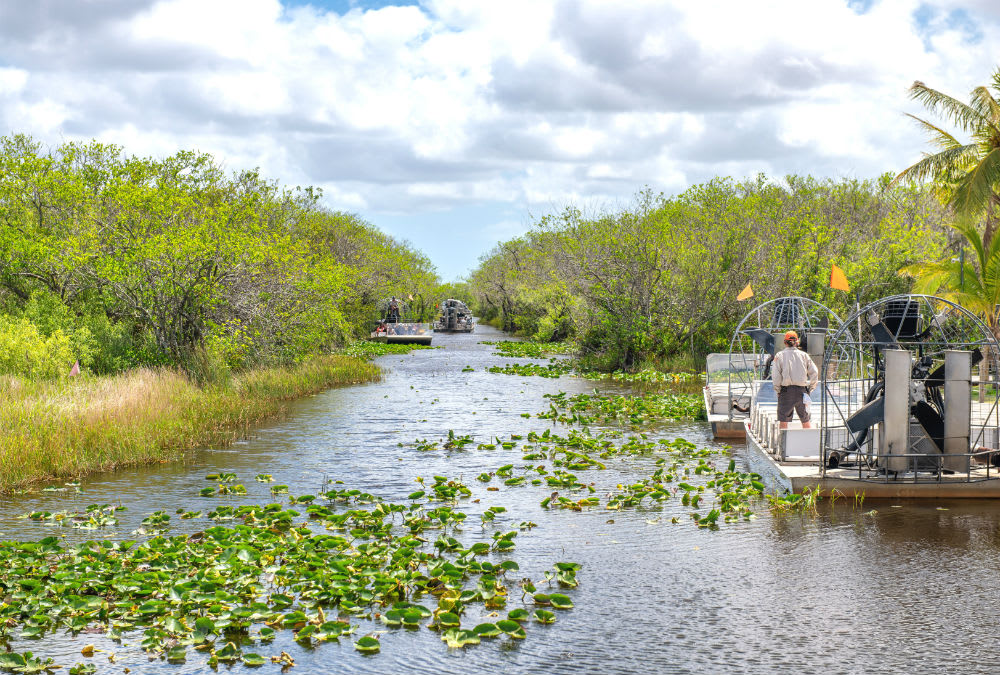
454	124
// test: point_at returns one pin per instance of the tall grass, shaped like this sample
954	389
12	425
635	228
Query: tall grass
58	429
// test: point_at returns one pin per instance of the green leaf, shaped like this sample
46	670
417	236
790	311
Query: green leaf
487	630
448	619
455	637
544	616
367	645
178	653
228	653
204	625
519	614
253	660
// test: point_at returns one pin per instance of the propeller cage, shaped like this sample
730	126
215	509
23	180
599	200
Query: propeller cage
908	392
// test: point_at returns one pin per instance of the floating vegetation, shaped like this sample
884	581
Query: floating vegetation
455	442
798	503
646	376
556	368
230	588
530	349
634	410
95	517
365	349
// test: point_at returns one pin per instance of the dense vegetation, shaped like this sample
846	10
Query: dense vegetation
658	281
120	261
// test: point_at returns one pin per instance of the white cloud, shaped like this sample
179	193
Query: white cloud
12	80
528	102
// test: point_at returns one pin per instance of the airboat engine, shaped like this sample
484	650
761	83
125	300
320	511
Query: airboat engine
898	376
913	425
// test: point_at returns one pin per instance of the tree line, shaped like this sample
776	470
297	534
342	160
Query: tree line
121	261
657	282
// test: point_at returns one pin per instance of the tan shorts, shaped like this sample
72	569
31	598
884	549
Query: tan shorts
789	399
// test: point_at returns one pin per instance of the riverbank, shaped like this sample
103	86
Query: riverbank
64	429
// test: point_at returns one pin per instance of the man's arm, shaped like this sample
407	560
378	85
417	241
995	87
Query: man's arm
776	372
812	372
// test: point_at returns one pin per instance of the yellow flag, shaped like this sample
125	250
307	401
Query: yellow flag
838	280
745	293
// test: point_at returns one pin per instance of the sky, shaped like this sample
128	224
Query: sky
455	124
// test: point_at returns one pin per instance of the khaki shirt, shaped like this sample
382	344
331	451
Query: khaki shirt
792	366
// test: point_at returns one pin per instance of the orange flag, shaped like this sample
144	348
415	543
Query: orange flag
745	293
838	280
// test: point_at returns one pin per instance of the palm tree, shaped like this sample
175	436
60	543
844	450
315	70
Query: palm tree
966	175
975	287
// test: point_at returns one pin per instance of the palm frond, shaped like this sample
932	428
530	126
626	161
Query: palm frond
949	165
931	277
971	301
940	137
967	228
983	102
977	186
961	114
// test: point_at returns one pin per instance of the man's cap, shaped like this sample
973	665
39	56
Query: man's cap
791	335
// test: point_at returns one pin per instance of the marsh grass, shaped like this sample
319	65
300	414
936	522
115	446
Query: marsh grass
58	429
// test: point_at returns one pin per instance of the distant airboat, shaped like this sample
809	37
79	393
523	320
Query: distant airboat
394	325
454	316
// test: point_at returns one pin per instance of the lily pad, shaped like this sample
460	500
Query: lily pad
508	626
487	630
253	660
456	637
544	616
367	645
519	614
229	653
177	654
448	619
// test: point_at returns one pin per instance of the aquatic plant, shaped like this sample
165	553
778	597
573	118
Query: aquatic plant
367	349
530	348
645	376
798	503
554	369
632	410
228	587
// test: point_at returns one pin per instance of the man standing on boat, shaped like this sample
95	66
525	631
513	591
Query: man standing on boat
794	374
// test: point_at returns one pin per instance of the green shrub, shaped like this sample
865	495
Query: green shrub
24	350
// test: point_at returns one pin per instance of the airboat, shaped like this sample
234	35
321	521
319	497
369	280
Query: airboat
454	316
907	406
395	325
729	378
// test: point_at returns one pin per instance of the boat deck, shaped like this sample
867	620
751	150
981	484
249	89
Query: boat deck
726	423
791	458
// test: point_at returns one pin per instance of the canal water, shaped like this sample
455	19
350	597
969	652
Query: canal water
886	587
